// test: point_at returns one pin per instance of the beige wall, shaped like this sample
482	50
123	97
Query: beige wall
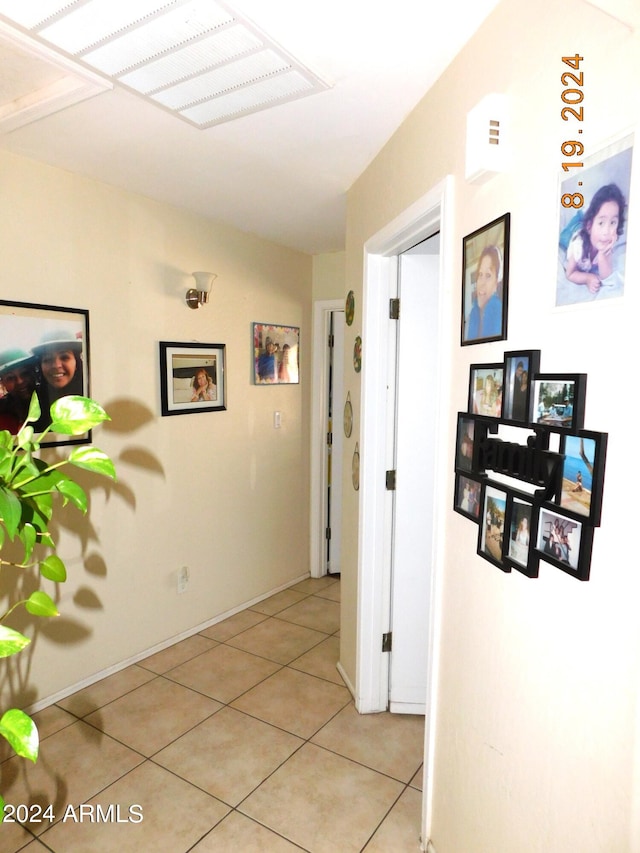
328	275
536	745
224	493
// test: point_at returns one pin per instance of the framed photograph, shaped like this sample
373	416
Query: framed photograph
565	543
558	401
594	205
467	497
519	370
192	378
521	523
468	431
492	526
583	475
485	279
43	349
276	354
485	389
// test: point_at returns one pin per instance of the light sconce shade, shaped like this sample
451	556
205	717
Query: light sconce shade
199	295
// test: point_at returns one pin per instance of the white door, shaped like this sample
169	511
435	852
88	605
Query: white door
334	444
415	454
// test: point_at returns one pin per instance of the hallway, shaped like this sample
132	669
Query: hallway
240	738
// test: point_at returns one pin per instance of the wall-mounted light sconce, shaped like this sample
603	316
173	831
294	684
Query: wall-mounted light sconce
199	295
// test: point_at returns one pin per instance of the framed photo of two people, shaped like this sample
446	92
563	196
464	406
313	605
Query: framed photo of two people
43	350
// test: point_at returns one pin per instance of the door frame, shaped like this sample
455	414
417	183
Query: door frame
321	321
433	212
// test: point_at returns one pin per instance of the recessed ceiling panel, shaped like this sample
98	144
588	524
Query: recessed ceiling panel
182	55
234	76
265	94
194	59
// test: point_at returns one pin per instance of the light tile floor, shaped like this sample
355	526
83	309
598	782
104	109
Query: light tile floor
240	738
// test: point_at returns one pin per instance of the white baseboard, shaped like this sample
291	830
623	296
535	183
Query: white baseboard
345	678
417	708
159	647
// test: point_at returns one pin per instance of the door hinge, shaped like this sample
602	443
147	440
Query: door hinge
327	533
386	642
390	481
329	439
330	342
394	309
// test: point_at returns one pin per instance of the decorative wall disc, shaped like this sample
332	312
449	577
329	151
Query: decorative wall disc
348	417
355	468
357	354
349	307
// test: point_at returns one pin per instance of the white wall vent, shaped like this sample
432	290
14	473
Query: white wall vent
487	139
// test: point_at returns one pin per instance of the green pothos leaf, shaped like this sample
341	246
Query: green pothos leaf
10	511
75	415
28	538
21	732
11	642
53	569
94	460
41	604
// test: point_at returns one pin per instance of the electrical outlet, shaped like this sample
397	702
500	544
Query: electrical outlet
183	579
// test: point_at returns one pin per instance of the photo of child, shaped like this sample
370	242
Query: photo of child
592	235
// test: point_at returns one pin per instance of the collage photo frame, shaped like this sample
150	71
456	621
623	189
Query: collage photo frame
552	499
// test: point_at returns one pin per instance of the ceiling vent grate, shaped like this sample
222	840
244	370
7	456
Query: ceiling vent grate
199	59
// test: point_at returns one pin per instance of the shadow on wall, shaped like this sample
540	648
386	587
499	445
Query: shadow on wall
17	583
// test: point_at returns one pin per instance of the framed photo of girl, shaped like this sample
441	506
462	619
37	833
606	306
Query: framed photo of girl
521	523
592	232
44	349
583	475
467	497
192	378
485	389
485	279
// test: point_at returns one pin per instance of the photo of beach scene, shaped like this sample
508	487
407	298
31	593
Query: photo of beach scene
577	475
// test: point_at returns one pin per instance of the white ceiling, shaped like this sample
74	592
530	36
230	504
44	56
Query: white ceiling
281	173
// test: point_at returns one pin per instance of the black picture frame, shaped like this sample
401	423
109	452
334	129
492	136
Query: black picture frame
485	390
558	401
520	367
485	283
50	343
521	529
564	542
468	493
583	475
491	526
469	431
192	378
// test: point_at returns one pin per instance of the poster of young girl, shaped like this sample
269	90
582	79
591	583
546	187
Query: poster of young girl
594	206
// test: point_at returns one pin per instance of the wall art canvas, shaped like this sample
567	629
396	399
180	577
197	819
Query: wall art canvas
594	209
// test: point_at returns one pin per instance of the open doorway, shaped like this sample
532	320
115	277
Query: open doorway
326	437
428	215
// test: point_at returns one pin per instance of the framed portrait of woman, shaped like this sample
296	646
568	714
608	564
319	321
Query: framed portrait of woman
192	378
44	350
